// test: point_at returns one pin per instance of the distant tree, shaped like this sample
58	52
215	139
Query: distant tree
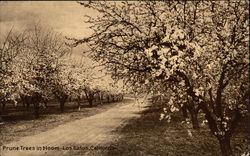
60	86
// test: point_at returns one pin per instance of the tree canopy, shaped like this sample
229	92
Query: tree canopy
199	47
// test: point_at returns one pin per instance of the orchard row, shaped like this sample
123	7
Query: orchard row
36	67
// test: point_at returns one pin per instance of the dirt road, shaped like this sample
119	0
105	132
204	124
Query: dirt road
92	132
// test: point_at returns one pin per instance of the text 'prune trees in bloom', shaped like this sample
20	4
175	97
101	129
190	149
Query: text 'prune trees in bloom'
201	48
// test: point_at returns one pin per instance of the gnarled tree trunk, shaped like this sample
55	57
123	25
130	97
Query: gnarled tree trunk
194	116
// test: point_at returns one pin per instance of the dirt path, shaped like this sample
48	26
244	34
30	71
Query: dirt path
92	131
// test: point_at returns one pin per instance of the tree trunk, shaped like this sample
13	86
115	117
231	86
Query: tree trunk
100	96
108	99
90	102
36	110
194	120
225	146
79	106
1	120
1	113
3	106
62	102
46	104
193	115
79	103
26	102
184	112
112	98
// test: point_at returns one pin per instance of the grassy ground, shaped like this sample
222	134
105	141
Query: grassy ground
22	123
147	136
144	136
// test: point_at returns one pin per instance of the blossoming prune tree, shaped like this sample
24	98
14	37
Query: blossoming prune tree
123	41
38	64
61	86
11	47
201	47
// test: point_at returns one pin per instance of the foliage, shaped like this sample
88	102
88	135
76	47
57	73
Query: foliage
198	49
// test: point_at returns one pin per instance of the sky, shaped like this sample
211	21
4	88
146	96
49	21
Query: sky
66	17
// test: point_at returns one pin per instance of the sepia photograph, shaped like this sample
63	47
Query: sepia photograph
124	78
